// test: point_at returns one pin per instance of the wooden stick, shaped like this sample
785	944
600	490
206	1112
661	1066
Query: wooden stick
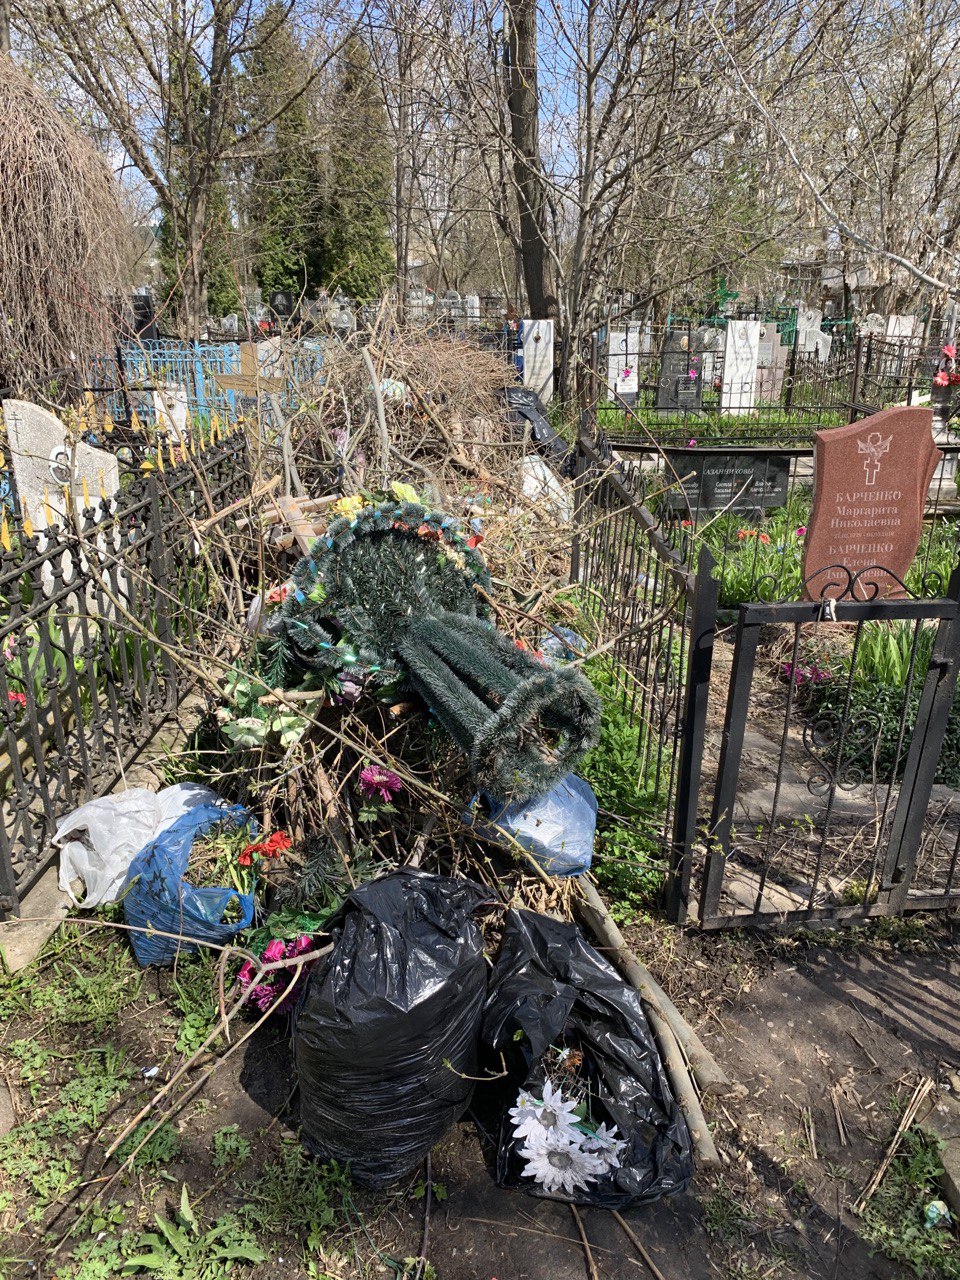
913	1106
635	1241
703	1145
271	517
591	1265
259	492
710	1076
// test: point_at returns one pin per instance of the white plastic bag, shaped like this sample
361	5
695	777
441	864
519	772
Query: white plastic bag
557	829
112	831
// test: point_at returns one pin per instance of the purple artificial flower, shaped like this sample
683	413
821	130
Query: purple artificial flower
262	996
299	946
375	781
273	951
245	976
350	690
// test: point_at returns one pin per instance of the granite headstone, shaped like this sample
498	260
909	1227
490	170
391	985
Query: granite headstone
680	387
871	481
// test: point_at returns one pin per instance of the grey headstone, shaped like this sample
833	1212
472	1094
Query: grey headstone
45	460
680	387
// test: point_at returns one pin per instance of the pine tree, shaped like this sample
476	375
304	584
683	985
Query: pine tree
356	253
284	180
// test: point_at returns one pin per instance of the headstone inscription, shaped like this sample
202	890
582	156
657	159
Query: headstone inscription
623	378
680	387
871	481
741	351
718	480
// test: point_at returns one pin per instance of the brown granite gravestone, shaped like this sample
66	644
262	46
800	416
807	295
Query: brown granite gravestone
871	480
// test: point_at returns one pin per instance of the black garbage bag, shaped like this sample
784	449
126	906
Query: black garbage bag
525	406
389	1025
550	988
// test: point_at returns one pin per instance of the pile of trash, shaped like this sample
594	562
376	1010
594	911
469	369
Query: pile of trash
416	997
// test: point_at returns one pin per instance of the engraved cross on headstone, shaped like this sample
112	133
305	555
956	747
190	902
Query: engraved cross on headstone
874	447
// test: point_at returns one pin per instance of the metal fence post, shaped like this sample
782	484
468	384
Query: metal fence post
855	378
162	584
703	625
791	381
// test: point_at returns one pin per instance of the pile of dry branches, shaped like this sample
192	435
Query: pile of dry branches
62	234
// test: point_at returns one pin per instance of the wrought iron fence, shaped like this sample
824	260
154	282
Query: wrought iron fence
93	620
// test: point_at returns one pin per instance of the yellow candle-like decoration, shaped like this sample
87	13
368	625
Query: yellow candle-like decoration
5	532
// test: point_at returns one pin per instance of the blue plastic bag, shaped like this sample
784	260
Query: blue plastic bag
156	895
557	829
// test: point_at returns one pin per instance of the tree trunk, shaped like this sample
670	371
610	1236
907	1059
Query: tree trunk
523	103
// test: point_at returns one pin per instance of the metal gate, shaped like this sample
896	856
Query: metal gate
835	796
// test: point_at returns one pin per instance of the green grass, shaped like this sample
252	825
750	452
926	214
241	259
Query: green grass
894	1219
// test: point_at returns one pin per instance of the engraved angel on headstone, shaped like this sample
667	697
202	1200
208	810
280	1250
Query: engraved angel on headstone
874	447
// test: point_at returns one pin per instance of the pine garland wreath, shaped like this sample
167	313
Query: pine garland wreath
388	594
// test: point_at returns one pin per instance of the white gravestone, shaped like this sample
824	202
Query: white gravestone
47	466
900	327
172	410
771	365
536	337
45	462
741	351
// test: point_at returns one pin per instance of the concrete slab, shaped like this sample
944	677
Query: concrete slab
8	1116
42	912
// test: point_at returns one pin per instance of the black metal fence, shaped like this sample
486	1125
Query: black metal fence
99	618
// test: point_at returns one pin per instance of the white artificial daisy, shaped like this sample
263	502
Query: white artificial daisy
551	1113
606	1145
559	1164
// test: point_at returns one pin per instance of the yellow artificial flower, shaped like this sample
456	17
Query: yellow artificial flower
403	492
349	506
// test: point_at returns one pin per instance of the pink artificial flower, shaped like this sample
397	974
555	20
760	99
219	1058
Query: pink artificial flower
691	373
299	946
941	379
375	781
262	996
801	531
950	351
19	698
245	976
273	951
691	444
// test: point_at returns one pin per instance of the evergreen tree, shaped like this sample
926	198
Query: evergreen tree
284	180
356	254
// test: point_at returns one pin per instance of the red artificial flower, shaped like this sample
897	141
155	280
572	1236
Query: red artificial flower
954	378
685	524
474	541
950	351
276	844
941	378
246	856
19	698
765	539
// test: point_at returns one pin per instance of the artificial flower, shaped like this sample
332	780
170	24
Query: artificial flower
691	444
403	492
262	995
299	945
273	951
474	540
532	1118
941	378
277	595
605	1144
245	857
276	843
349	506
19	698
950	351
560	1164
686	524
801	531
246	972
764	538
375	781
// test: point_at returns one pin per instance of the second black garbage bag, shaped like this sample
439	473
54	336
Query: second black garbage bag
575	1051
386	1036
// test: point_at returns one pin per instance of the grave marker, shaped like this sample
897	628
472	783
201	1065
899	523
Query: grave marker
741	351
717	480
871	481
771	364
680	387
45	461
536	337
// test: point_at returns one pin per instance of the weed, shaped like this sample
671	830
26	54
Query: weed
182	1251
725	1216
893	1220
298	1195
162	1147
230	1150
93	996
194	984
